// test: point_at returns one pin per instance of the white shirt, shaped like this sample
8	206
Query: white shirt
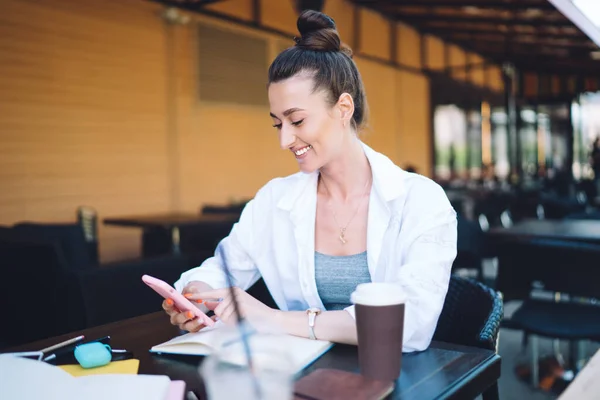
411	240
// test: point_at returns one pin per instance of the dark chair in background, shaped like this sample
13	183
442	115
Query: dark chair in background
30	289
569	271
70	238
470	246
559	207
493	210
50	293
471	317
116	291
527	205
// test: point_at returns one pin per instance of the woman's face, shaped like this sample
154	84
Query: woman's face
307	125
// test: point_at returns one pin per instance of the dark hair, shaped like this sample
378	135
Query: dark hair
320	52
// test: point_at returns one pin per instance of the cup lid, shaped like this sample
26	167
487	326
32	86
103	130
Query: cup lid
378	294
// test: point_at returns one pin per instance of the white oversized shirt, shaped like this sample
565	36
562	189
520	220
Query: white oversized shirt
411	240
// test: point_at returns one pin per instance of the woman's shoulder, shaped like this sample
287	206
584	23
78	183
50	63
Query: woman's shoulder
422	186
422	195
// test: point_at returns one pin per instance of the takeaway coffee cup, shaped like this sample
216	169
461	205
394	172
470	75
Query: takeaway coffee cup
380	324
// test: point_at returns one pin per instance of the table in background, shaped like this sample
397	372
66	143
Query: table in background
443	371
171	222
569	229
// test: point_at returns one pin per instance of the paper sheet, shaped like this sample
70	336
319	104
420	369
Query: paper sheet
115	367
586	384
26	379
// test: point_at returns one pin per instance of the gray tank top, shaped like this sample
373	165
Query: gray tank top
338	276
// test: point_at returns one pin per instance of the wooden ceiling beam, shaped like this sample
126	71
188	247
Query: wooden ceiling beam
444	30
520	5
424	18
492	37
188	4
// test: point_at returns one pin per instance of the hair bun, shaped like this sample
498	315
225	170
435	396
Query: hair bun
318	32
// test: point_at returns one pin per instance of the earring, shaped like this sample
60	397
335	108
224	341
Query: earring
344	123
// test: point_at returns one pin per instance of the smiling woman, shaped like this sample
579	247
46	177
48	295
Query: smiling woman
348	217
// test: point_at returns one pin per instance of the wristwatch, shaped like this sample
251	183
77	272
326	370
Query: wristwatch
312	315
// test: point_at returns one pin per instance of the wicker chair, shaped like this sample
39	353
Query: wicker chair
471	317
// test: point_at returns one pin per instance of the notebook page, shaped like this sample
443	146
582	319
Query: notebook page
301	351
197	343
122	387
26	379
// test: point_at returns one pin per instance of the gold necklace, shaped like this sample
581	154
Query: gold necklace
342	236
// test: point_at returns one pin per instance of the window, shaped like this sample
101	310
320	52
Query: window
586	128
450	127
232	66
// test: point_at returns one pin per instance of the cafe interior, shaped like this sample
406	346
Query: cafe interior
134	132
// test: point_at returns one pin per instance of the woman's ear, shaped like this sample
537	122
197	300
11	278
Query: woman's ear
346	106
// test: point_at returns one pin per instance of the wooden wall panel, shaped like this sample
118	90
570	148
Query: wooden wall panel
279	15
409	46
496	82
435	53
478	70
82	113
374	34
414	121
381	130
342	13
226	151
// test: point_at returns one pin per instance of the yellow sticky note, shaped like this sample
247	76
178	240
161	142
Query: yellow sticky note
115	367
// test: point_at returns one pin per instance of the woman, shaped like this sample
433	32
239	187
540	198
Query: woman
349	216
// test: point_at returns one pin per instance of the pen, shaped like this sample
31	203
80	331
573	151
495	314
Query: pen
65	354
217	300
63	344
121	354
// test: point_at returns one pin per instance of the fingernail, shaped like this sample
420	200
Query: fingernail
189	314
187	295
170	302
199	301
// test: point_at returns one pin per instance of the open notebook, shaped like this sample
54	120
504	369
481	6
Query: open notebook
301	351
27	379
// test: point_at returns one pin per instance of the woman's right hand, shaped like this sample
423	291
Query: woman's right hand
186	320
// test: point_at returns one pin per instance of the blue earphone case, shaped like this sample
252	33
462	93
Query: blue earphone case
91	355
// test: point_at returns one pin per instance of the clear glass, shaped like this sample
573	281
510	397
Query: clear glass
227	373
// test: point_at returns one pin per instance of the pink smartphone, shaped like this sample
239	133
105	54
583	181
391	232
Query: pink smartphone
183	304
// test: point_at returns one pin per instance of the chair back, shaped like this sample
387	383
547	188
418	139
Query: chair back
30	266
471	315
470	245
70	237
87	218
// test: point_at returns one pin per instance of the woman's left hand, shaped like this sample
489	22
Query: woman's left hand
249	307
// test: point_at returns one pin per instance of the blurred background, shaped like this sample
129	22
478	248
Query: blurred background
132	133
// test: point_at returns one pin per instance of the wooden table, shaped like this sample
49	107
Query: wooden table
572	230
441	372
171	222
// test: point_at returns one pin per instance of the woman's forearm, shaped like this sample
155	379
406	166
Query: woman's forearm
334	326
